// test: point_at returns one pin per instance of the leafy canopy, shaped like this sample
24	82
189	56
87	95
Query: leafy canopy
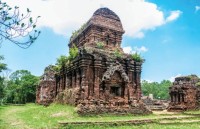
159	90
2	65
21	87
65	60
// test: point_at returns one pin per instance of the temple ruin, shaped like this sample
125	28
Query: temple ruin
185	93
101	78
45	92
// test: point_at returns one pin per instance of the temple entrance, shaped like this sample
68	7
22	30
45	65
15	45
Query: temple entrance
116	90
116	85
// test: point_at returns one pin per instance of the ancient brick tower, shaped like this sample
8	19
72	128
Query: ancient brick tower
185	93
102	78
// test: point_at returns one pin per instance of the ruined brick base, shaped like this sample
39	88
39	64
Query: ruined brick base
137	108
182	107
92	107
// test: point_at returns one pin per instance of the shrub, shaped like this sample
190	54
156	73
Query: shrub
73	52
136	57
76	32
117	53
198	84
100	45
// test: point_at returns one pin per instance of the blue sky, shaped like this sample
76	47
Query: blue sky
166	33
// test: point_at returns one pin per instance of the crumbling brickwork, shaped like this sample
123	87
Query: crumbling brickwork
45	93
106	81
101	79
184	93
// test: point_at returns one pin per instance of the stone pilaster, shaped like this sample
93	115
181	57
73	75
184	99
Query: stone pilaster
138	79
73	79
97	64
84	64
77	78
130	68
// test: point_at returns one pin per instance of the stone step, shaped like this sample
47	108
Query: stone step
179	122
125	122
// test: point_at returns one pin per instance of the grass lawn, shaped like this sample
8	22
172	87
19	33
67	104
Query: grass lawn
37	116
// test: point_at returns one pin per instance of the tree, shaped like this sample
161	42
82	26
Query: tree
14	25
1	89
2	65
61	62
65	60
21	87
159	90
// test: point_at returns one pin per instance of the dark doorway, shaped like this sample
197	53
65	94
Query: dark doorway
115	90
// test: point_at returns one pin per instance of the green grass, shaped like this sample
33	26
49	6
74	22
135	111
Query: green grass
193	112
37	116
144	126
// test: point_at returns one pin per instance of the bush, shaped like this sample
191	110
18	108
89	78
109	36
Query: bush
136	57
100	45
117	53
76	32
198	84
73	52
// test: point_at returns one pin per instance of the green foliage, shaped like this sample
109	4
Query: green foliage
21	87
136	57
76	32
14	24
1	88
61	62
100	45
198	84
73	52
159	90
65	60
2	65
117	53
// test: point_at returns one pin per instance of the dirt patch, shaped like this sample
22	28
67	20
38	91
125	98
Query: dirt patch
165	112
59	114
182	121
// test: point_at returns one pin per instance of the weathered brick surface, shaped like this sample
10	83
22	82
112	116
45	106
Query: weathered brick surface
45	93
184	93
101	80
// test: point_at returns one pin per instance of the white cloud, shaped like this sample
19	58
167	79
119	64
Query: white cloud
141	49
173	77
63	16
173	16
197	8
129	49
